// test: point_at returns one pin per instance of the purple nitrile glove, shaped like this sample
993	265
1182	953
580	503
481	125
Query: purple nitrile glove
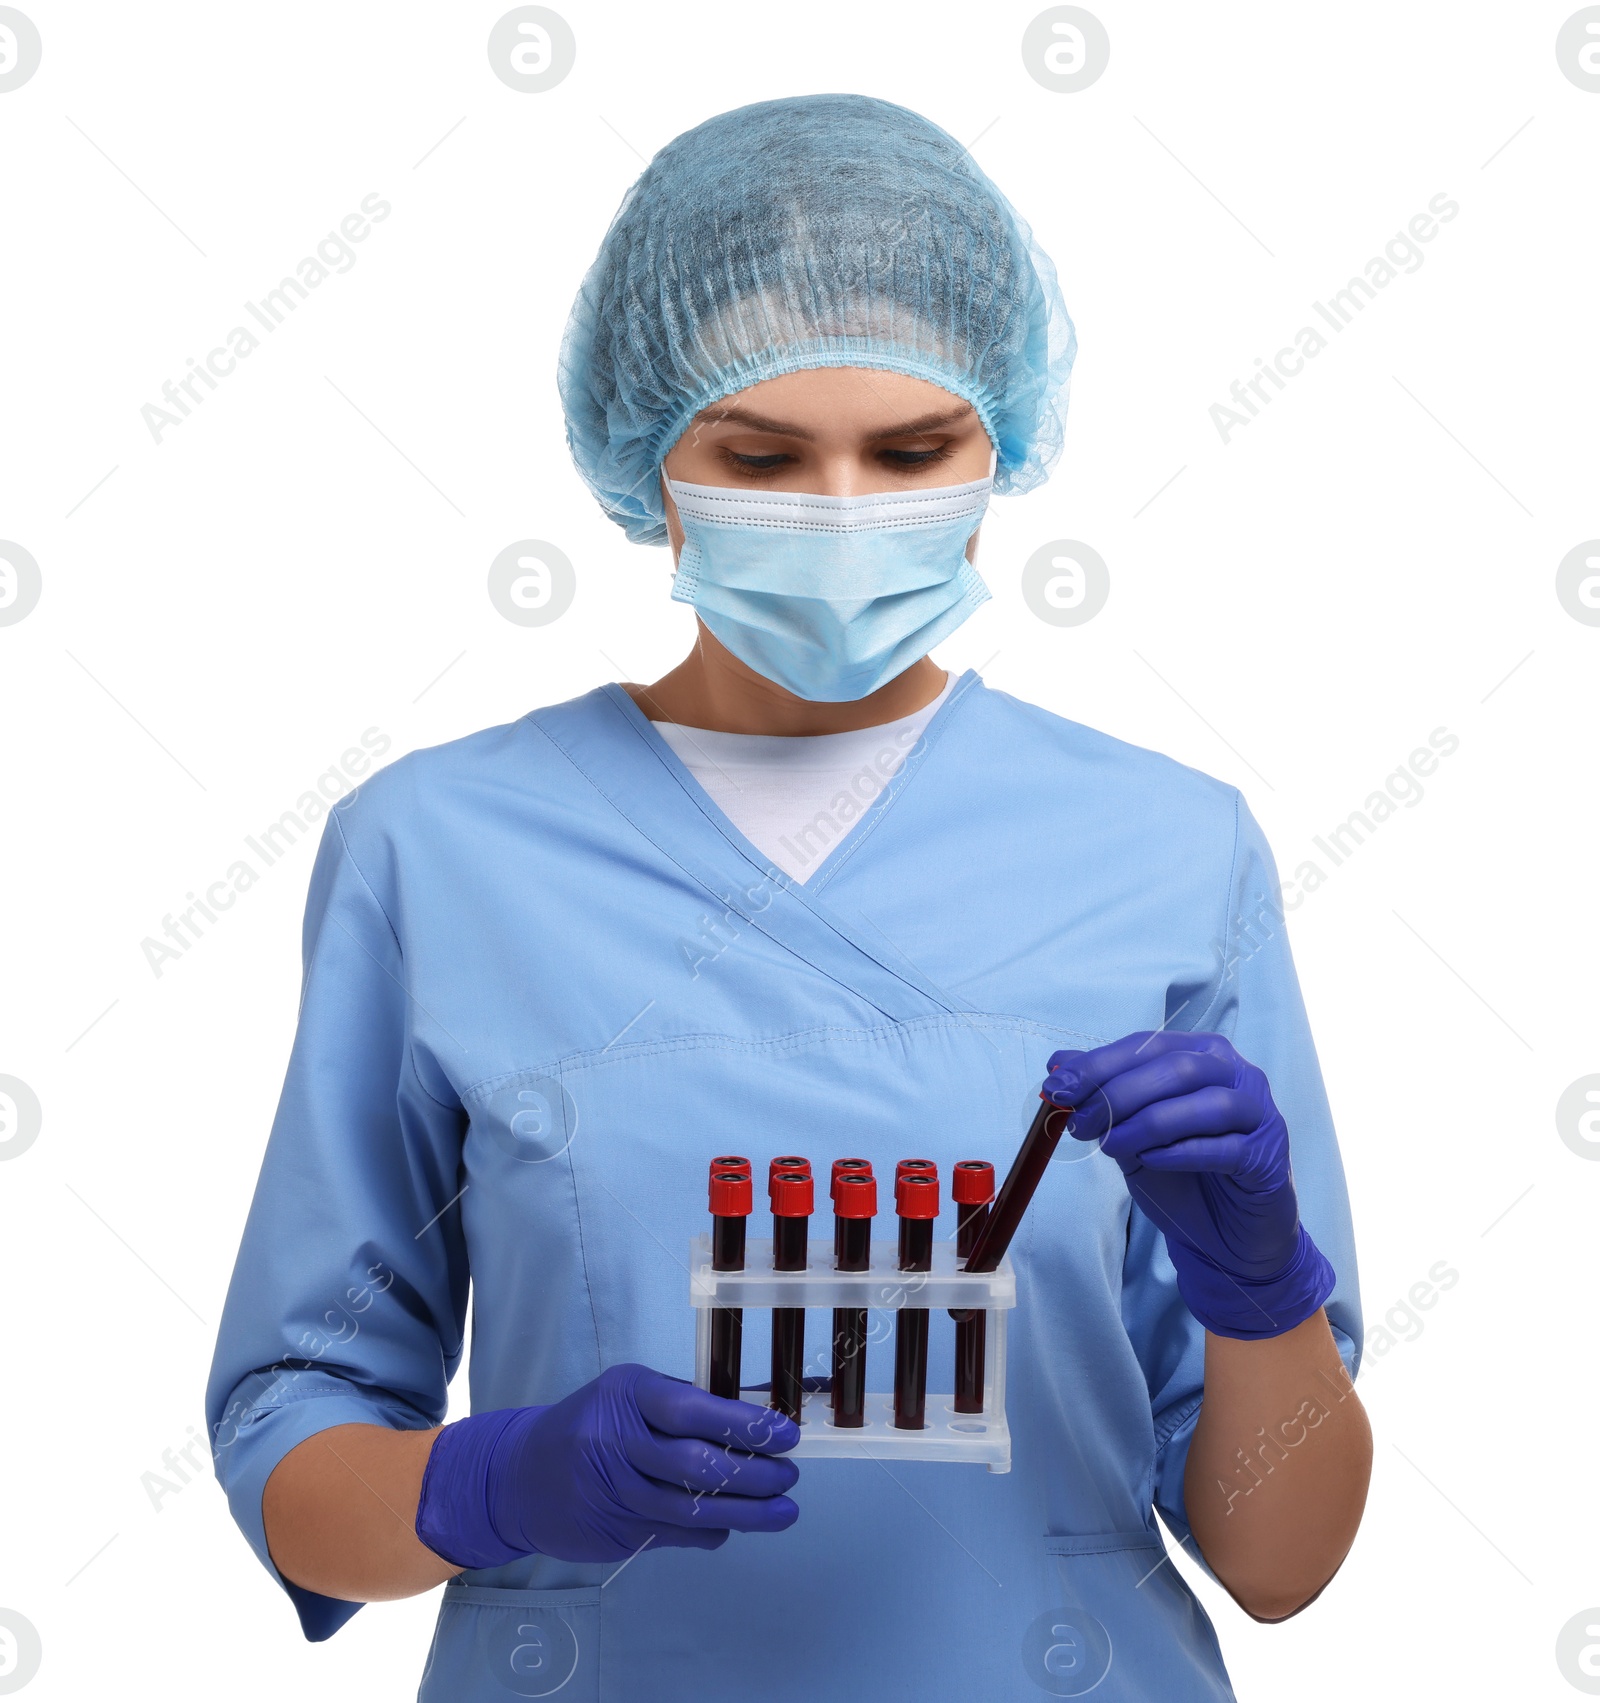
1205	1153
634	1457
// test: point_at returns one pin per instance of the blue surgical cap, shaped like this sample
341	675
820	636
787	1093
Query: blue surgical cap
821	231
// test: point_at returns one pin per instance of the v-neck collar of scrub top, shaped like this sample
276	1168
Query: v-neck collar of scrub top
642	778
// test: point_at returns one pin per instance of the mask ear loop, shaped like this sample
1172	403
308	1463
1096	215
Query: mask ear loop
686	575
667	497
969	550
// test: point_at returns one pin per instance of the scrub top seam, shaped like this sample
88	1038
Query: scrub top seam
394	934
583	1250
902	778
344	843
770	874
794	1039
1181	1415
703	802
1114	1543
741	843
658	748
286	1393
720	820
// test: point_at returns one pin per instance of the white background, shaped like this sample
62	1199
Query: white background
306	557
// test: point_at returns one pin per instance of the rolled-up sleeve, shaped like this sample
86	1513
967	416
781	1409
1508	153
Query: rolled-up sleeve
349	1293
1254	999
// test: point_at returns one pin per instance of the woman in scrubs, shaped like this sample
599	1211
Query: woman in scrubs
805	893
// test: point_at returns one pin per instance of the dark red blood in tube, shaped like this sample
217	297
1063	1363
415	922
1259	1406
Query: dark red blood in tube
855	1205
972	1187
971	1334
916	1200
916	1203
1038	1147
791	1196
732	1198
839	1166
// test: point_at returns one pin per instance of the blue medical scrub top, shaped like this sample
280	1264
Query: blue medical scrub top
546	980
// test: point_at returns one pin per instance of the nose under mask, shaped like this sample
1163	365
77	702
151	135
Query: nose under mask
829	597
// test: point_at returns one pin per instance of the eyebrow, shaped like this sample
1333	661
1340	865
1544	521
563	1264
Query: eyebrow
715	416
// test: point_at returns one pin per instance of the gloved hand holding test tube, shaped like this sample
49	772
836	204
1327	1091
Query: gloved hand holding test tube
1204	1151
633	1457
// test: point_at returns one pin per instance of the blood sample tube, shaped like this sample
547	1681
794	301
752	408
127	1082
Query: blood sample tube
795	1162
855	1206
731	1162
972	1188
731	1203
916	1203
791	1196
1038	1145
841	1165
789	1162
904	1165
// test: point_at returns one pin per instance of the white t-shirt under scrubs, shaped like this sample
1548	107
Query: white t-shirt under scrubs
796	797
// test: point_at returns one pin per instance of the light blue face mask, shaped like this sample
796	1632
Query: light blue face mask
830	597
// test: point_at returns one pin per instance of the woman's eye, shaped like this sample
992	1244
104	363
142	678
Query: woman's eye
757	463
915	457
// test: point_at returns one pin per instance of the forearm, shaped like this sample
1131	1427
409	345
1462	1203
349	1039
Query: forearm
340	1512
1278	1468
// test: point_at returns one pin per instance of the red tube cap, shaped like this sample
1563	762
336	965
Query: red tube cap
732	1194
844	1167
906	1165
972	1182
916	1195
791	1194
731	1162
856	1195
789	1162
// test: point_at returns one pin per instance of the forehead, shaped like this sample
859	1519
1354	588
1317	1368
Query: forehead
833	402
